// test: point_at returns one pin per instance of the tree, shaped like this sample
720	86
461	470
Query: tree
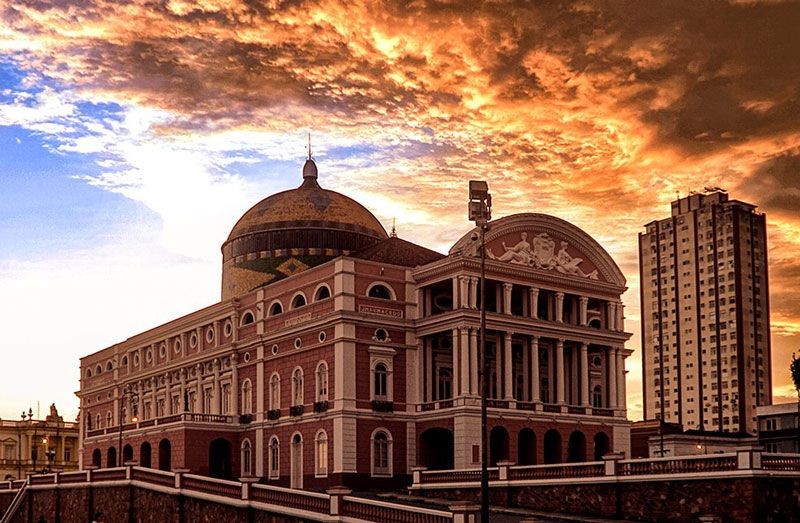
794	368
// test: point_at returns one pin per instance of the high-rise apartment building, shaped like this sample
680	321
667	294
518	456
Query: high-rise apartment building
705	314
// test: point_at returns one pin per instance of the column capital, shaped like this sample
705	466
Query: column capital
584	346
559	294
583	299
507	285
508	335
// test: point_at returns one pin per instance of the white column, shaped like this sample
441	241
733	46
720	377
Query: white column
198	400
167	394
235	388
533	294
507	297
420	370
215	403
498	366
583	304
456	300
526	372
611	360
559	306
464	360
573	377
473	361
508	374
420	303
620	316
535	368
456	384
463	301
429	395
216	335
473	292
612	315
181	404
584	374
560	374
153	383
620	378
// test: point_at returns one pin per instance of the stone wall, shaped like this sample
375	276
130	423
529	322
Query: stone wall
760	499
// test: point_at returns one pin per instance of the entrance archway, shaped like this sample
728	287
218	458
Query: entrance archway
145	455
526	447
498	445
601	445
296	451
127	454
111	457
436	449
576	450
97	458
552	447
164	455
219	459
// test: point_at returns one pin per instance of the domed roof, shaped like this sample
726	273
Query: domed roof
308	206
293	230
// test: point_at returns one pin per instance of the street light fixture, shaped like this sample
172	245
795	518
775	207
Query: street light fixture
480	211
127	392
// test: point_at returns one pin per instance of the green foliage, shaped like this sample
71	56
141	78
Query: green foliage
794	368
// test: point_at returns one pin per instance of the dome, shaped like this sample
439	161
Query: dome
293	230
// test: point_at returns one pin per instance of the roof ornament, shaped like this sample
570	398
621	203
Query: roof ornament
393	234
310	168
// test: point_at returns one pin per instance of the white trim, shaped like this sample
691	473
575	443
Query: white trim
298	399
384	284
247	400
246	471
294	297
317	395
317	289
319	472
296	461
274	402
245	313
274	463
389	454
272	304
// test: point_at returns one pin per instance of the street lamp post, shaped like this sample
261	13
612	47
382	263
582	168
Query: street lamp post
127	392
480	211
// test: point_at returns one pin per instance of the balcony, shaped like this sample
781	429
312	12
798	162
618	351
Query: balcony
195	417
273	414
382	405
296	410
320	406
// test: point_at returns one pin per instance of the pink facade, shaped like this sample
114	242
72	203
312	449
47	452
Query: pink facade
359	368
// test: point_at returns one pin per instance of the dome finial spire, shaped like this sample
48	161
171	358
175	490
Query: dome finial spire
310	168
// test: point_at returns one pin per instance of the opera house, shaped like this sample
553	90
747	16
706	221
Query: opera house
343	355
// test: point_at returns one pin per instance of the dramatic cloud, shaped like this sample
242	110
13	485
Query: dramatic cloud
598	112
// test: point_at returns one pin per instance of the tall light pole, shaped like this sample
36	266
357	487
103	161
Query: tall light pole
480	211
127	392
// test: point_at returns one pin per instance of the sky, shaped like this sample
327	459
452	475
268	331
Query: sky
134	134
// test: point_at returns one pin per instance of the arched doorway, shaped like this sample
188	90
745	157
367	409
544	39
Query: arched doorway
552	447
127	454
97	458
145	455
526	447
219	459
576	449
498	445
164	455
601	445
111	457
296	473
436	449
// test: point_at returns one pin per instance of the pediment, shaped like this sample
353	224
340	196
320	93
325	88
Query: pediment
545	243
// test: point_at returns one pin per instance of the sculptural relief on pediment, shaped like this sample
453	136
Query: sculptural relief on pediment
541	253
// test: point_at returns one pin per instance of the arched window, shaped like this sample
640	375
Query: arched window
247	397
597	397
298	301
381	450
275	392
88	373
381	379
248	318
99	422
275	309
321	454
379	291
98	370
109	366
322	293
297	386
246	458
322	381
296	461
124	361
274	458
108	419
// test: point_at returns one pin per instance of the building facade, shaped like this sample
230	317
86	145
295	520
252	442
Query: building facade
705	314
779	427
28	445
344	355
